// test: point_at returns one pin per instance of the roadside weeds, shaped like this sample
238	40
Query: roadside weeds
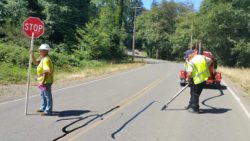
15	91
240	76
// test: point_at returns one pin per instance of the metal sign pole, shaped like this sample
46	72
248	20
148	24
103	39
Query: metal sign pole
29	72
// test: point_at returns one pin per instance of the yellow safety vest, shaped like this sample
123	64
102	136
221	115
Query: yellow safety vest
200	69
45	65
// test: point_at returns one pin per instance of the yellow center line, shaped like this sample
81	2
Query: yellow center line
122	105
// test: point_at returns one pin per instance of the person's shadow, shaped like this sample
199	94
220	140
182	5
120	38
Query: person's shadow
69	113
79	120
216	87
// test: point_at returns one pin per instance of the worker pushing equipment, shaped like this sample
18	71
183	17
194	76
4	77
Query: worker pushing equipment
197	74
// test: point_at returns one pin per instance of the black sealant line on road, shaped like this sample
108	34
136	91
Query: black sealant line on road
130	120
124	103
78	119
214	110
204	101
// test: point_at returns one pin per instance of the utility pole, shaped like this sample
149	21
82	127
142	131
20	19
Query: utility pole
191	38
200	48
133	45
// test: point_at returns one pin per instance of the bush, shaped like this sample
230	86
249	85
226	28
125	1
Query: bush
12	74
13	54
97	42
62	60
14	63
241	51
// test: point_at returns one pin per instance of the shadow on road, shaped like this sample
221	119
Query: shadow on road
92	117
167	109
67	113
70	113
216	87
213	110
130	120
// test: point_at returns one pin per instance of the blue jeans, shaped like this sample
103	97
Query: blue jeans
47	101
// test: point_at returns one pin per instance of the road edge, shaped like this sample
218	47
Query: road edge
241	96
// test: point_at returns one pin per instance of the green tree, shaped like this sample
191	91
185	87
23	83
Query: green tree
154	4
129	21
62	18
2	12
181	39
14	12
223	28
2	16
104	36
223	24
157	26
35	9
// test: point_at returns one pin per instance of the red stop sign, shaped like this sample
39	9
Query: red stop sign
33	25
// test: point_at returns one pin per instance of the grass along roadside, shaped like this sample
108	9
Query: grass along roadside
107	68
240	76
63	78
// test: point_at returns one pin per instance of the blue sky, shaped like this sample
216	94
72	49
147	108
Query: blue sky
147	3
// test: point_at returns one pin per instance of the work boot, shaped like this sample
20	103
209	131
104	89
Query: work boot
39	111
45	114
187	107
193	110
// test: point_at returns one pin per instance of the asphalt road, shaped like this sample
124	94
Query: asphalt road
127	107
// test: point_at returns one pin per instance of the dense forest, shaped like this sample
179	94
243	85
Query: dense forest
223	27
82	29
102	30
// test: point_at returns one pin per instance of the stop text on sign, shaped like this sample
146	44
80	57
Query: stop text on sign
33	27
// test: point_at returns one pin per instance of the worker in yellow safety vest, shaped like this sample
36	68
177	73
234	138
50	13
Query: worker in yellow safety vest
197	75
45	69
